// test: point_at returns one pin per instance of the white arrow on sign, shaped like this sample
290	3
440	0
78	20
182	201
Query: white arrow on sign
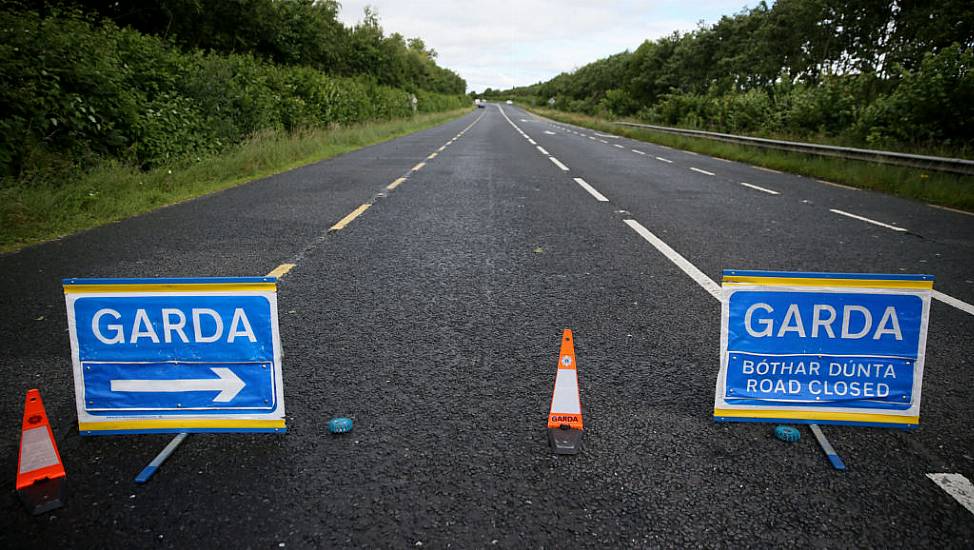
228	384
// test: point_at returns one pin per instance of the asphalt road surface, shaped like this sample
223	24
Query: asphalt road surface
433	320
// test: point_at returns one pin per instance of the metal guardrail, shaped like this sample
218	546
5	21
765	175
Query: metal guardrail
938	164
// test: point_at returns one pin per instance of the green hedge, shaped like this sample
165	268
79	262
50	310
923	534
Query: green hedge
75	90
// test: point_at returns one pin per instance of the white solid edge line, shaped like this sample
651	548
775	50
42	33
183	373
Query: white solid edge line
702	171
543	152
759	188
949	209
508	119
591	190
558	163
957	486
951	301
867	220
664	160
701	279
839	185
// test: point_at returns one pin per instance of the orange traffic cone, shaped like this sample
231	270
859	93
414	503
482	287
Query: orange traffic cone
40	473
565	418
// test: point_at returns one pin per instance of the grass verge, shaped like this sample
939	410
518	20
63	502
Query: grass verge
114	191
954	191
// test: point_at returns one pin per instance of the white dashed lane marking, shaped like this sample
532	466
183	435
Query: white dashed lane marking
695	273
591	190
558	163
958	487
706	282
867	220
759	188
951	301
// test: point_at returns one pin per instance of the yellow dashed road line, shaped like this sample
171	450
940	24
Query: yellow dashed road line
281	270
351	216
395	184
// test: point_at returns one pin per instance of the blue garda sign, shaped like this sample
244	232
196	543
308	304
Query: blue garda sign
822	347
175	355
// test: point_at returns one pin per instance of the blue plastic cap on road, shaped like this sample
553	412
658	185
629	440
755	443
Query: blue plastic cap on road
787	433
340	425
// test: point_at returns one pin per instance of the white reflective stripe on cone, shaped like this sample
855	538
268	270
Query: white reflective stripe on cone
565	398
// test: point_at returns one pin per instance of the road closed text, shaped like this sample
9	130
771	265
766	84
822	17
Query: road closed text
812	378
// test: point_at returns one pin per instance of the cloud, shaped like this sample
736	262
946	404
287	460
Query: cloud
507	43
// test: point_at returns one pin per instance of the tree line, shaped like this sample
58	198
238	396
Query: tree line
881	72
287	32
156	81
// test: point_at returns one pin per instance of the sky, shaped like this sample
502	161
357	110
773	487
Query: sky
504	43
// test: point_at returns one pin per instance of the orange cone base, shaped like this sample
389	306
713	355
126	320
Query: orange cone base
565	440
43	496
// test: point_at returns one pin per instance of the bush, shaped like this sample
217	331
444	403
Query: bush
932	104
172	127
828	109
690	110
82	90
62	88
745	112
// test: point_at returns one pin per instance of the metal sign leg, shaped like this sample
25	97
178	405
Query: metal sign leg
827	447
149	470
